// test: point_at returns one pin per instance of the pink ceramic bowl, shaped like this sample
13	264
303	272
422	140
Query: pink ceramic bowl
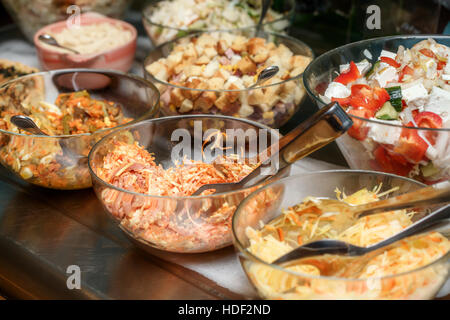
119	58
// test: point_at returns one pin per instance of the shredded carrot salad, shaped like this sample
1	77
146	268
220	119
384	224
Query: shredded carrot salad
42	161
173	224
309	221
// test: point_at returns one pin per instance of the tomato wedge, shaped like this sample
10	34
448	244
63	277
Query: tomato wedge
411	145
368	98
390	62
428	119
358	130
406	70
351	75
343	102
391	162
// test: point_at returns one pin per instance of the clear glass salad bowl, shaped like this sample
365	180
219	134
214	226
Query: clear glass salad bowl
275	282
41	160
291	88
161	33
175	223
365	152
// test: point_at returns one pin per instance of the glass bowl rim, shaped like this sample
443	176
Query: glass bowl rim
327	54
153	5
249	256
169	118
194	34
152	111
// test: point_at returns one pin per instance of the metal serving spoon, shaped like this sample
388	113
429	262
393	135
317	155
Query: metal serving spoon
321	128
329	246
265	75
48	39
437	194
264	9
27	124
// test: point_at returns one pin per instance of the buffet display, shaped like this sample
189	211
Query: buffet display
118	132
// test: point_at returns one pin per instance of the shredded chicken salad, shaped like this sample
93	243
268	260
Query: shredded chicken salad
309	221
169	223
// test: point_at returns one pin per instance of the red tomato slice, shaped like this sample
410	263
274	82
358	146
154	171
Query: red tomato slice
406	70
391	162
441	64
381	96
358	131
427	119
368	98
390	62
351	75
343	102
411	145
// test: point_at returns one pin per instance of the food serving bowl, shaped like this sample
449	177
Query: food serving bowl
366	153
175	223
161	33
119	57
40	159
288	93
30	16
275	282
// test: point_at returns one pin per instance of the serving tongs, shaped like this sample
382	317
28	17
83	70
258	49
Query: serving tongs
70	155
437	194
320	129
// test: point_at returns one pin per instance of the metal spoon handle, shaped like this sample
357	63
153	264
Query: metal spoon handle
320	129
27	124
437	194
264	9
417	227
265	75
324	126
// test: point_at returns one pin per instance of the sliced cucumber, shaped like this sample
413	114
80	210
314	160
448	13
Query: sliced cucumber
429	170
372	70
387	112
396	97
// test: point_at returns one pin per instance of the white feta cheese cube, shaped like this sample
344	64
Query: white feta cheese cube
446	77
386	75
337	90
385	134
415	94
389	54
367	54
439	103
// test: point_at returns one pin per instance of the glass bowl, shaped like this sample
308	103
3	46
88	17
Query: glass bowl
176	223
364	152
280	283
288	93
161	33
40	159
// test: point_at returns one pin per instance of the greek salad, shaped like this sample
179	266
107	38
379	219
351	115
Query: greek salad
406	97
